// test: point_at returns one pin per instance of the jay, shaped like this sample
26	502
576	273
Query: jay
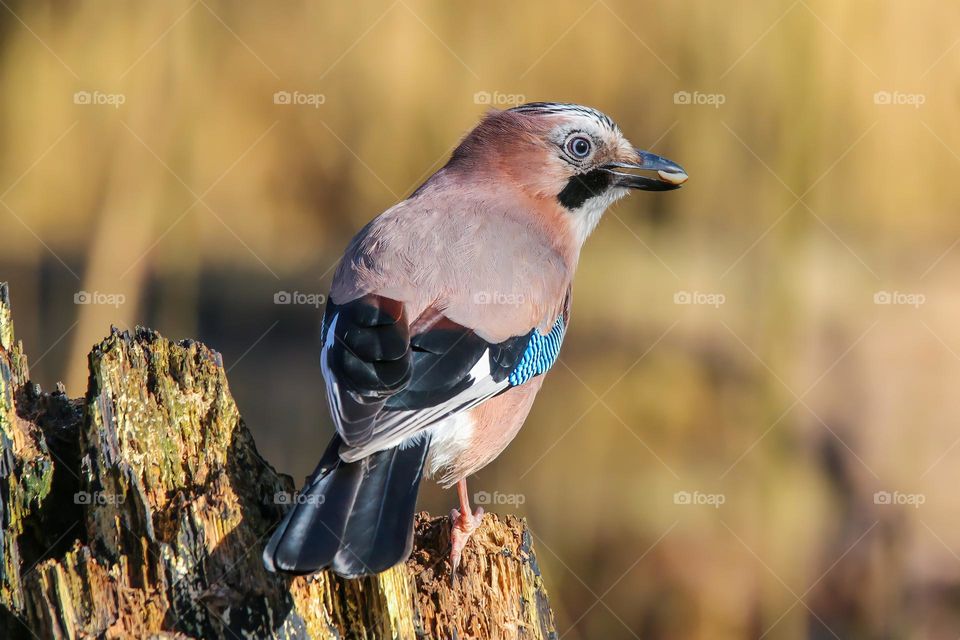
444	315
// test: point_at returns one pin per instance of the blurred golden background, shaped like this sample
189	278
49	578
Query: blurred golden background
753	429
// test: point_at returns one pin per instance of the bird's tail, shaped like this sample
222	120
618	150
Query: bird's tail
355	518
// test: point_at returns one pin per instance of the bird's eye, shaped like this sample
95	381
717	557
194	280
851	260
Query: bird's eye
579	147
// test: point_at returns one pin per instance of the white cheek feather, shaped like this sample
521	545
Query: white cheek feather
586	218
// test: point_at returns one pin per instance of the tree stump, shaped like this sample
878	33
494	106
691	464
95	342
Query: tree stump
141	510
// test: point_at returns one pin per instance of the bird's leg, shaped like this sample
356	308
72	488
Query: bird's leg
463	523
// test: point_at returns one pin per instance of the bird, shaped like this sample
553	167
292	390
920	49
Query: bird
444	314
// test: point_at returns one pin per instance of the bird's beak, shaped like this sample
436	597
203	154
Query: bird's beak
669	174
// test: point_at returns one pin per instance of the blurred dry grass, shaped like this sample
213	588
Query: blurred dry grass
796	400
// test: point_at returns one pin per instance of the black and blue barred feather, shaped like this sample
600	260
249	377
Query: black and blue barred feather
541	352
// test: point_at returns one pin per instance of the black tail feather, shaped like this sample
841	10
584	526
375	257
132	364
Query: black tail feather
379	531
355	518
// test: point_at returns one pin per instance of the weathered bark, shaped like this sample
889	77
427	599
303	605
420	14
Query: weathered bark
141	511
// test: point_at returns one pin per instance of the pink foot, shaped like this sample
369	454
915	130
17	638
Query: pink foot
462	526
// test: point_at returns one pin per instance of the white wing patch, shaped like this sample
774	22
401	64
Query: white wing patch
393	427
333	389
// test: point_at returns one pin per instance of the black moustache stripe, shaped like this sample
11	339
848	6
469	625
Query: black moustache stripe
582	187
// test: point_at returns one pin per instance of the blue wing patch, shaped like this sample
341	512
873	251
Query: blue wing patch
540	354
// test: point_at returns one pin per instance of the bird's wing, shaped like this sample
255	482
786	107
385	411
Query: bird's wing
389	378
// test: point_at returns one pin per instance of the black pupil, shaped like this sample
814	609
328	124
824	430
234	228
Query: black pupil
580	147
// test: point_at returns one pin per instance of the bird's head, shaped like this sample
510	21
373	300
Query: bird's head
573	156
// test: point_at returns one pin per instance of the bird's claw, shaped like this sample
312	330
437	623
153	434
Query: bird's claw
462	525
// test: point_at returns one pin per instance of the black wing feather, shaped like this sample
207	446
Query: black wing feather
368	356
442	360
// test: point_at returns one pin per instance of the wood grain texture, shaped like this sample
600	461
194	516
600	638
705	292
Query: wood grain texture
141	511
